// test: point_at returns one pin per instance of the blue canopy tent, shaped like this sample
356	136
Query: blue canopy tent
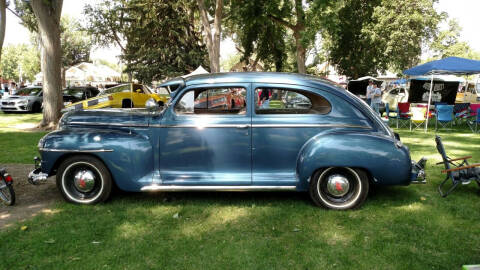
449	65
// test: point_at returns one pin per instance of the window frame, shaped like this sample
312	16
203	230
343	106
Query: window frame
179	96
287	87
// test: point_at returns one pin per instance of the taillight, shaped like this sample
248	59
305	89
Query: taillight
8	178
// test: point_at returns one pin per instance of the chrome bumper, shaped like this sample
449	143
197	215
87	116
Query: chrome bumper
418	175
36	176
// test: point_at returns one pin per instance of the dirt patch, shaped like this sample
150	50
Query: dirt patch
30	200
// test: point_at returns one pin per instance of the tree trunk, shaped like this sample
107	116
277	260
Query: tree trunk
297	33
48	14
3	8
213	41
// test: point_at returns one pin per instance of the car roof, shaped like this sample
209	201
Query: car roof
256	77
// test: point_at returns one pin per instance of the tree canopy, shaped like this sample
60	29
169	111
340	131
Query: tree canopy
17	59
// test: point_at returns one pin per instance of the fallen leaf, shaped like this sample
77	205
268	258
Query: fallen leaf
176	215
49	241
96	242
296	229
23	228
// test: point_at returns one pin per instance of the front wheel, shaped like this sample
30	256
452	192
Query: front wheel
7	194
84	180
339	188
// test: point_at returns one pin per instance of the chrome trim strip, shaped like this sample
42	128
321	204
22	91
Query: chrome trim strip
76	150
106	124
215	188
263	126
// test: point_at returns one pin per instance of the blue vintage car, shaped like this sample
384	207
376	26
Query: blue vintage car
289	132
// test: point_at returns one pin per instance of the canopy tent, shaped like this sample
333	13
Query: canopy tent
449	65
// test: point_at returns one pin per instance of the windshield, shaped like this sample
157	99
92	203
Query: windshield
78	92
29	92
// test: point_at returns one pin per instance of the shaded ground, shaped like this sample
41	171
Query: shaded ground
30	200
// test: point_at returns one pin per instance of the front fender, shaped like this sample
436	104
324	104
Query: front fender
128	155
378	154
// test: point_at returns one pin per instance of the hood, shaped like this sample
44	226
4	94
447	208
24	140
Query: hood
106	118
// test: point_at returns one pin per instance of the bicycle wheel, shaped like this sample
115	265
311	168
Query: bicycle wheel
6	193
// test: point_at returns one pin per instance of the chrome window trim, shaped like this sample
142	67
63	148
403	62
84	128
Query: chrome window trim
106	124
76	150
263	126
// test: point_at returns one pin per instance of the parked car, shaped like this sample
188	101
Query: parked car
394	96
331	145
122	96
78	93
27	99
471	94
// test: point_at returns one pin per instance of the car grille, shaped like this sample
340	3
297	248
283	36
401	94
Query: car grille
8	103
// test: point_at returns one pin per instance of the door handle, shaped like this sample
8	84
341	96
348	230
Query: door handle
242	126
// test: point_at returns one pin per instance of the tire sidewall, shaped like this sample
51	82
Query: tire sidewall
359	197
95	164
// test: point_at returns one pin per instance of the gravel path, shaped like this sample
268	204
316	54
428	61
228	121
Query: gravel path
30	200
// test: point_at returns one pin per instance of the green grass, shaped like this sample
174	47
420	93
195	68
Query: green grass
397	228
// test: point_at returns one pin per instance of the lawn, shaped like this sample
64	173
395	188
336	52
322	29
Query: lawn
397	228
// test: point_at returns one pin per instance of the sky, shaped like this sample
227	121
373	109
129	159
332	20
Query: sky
465	11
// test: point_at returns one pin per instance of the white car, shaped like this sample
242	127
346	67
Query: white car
394	96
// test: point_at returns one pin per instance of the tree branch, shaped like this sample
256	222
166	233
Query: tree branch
282	22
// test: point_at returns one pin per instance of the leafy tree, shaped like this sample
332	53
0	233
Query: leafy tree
370	36
20	57
448	44
157	38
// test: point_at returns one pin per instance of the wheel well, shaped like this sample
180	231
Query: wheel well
68	155
126	102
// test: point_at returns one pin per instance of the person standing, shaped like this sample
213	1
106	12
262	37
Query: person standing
376	98
370	88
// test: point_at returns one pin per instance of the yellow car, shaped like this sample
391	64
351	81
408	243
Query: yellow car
121	96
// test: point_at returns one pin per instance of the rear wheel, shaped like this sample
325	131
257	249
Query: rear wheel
7	194
339	188
36	107
84	180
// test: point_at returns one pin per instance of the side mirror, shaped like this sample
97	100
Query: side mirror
151	104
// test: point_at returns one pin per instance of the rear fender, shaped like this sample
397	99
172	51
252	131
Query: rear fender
377	154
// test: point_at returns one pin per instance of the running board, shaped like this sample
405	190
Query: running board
217	188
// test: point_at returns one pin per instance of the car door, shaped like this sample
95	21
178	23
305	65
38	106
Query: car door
205	137
280	128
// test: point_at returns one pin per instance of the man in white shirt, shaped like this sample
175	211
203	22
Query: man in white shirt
370	88
376	98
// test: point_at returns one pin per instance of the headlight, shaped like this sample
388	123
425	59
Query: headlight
40	143
22	102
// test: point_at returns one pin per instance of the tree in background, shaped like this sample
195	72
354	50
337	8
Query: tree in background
369	36
43	17
76	44
213	32
448	44
162	42
20	61
3	23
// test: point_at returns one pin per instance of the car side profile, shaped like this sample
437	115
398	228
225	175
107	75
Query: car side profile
28	99
316	137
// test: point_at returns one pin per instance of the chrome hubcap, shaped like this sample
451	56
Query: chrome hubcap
337	185
84	180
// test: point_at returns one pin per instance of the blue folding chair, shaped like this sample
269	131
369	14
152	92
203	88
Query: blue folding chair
444	116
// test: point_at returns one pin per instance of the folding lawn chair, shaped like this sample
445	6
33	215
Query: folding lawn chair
461	172
403	114
461	111
444	115
418	117
474	122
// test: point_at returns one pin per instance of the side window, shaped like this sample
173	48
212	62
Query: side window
213	101
287	101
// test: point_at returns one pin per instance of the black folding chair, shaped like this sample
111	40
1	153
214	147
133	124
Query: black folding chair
457	169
